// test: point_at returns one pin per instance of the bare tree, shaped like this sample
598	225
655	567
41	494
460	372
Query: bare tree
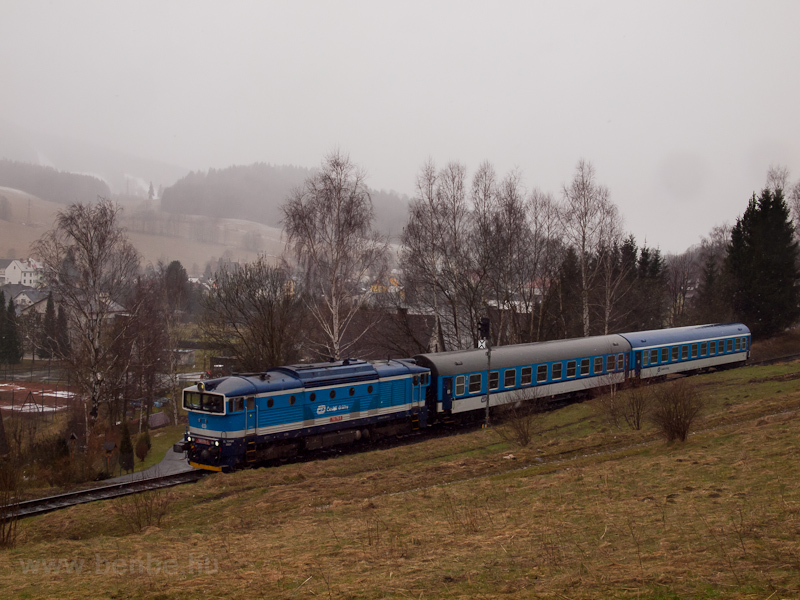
682	275
589	219
328	223
90	265
546	253
777	178
256	313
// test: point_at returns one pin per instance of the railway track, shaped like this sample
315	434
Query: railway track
40	506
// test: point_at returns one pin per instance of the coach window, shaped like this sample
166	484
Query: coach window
712	348
475	383
598	364
703	349
684	352
675	351
694	350
527	375
645	358
571	365
541	373
494	381
738	344
744	343
558	368
611	363
653	357
510	379
665	355
251	403
584	366
730	345
460	385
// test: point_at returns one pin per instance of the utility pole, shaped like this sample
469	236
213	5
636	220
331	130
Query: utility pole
485	341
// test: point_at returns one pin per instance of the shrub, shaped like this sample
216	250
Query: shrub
143	445
520	417
675	407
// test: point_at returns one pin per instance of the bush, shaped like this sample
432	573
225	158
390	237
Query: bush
10	480
520	417
676	406
143	445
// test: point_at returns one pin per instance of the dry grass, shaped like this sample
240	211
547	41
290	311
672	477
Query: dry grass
584	512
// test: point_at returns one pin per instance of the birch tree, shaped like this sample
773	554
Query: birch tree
328	225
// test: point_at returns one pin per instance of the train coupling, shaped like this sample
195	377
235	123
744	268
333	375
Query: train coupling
180	447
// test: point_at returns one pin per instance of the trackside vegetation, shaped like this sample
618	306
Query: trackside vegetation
585	510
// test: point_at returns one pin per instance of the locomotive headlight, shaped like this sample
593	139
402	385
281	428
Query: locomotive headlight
188	438
216	442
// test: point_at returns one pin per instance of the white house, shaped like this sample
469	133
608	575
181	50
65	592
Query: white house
24	272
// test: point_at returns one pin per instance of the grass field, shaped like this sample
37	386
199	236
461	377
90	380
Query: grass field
585	511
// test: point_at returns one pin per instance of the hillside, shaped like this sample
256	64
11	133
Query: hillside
586	511
158	236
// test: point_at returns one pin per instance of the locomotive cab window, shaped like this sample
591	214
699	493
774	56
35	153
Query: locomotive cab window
494	381
571	365
460	385
475	383
527	375
205	402
510	378
541	373
557	370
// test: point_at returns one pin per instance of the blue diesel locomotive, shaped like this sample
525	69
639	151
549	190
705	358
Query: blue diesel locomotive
244	419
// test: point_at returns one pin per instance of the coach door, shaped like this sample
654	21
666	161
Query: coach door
447	393
250	427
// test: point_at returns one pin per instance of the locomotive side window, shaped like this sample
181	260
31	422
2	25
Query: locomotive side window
312	397
291	399
598	364
353	391
494	381
270	403
369	389
510	378
584	366
612	362
460	385
235	405
684	352
557	370
571	368
675	350
251	403
333	393
653	356
425	378
474	383
703	349
541	373
527	375
664	355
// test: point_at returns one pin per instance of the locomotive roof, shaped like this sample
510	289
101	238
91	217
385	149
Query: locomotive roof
309	375
503	357
691	333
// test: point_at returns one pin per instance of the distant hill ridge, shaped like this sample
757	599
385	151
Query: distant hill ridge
256	192
51	184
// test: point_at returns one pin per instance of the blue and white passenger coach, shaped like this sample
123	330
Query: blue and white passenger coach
248	418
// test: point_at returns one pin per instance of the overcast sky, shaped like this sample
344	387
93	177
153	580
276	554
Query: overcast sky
680	106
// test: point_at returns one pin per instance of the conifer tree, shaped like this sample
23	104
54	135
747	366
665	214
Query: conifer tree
3	342
13	343
762	265
62	347
47	344
126	449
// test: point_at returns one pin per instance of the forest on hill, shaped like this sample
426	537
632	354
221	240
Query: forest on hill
51	184
256	192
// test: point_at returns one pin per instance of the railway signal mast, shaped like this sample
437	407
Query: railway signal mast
485	342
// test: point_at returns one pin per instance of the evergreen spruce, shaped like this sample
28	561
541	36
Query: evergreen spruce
762	266
126	449
13	344
47	343
3	342
62	348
